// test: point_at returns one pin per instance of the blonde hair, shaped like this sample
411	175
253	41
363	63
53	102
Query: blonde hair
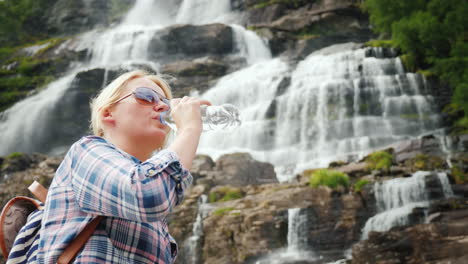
114	91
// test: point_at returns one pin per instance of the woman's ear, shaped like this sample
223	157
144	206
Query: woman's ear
107	117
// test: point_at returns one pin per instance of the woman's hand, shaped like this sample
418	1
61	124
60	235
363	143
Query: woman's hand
187	116
186	113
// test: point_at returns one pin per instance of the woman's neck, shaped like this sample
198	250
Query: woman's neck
139	150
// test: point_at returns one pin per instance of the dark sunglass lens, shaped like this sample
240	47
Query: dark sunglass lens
146	96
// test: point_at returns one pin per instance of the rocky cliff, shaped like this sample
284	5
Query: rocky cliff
244	218
236	211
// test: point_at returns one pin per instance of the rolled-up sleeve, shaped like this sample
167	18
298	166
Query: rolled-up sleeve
106	182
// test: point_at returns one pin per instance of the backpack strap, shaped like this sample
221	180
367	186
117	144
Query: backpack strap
75	246
39	191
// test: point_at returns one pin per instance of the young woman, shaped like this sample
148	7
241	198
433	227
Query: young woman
114	173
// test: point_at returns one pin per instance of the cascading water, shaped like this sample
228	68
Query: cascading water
192	250
298	225
338	105
19	128
397	198
126	44
297	249
205	11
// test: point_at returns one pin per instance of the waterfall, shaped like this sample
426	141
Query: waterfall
297	230
250	46
193	245
151	12
444	181
396	199
22	126
338	103
204	12
297	249
19	128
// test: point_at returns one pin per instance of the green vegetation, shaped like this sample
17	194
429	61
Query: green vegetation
329	178
223	211
14	155
359	184
459	176
225	194
25	73
425	162
384	43
380	160
288	3
432	34
22	21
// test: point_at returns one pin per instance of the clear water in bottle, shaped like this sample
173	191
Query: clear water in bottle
214	117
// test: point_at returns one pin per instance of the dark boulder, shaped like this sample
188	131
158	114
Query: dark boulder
190	41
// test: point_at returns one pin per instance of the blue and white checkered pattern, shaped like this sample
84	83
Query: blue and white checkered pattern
96	178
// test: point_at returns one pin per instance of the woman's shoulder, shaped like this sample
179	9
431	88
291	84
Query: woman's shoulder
90	142
99	145
91	139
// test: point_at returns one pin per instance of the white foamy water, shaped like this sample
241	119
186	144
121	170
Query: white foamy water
338	102
205	11
397	198
250	46
119	46
338	105
297	249
192	244
19	126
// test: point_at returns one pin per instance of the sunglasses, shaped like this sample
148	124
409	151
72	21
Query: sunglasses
146	96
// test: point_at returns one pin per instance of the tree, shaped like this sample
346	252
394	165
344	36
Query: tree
433	35
20	20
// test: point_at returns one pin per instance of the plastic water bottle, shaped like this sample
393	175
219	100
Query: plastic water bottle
214	117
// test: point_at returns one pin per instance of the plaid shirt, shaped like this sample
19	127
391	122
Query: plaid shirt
96	178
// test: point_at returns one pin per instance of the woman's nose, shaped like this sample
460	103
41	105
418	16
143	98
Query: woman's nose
162	107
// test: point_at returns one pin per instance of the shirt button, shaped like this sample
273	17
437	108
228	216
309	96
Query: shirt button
151	172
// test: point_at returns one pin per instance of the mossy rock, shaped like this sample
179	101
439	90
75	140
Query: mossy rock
426	163
380	160
224	194
357	187
330	178
458	175
223	211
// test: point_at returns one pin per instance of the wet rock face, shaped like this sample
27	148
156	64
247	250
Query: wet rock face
194	75
297	28
72	16
257	224
238	169
192	41
241	169
425	243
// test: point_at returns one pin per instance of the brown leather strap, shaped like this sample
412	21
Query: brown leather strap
75	246
39	191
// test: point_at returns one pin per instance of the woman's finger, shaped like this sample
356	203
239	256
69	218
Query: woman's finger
204	102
